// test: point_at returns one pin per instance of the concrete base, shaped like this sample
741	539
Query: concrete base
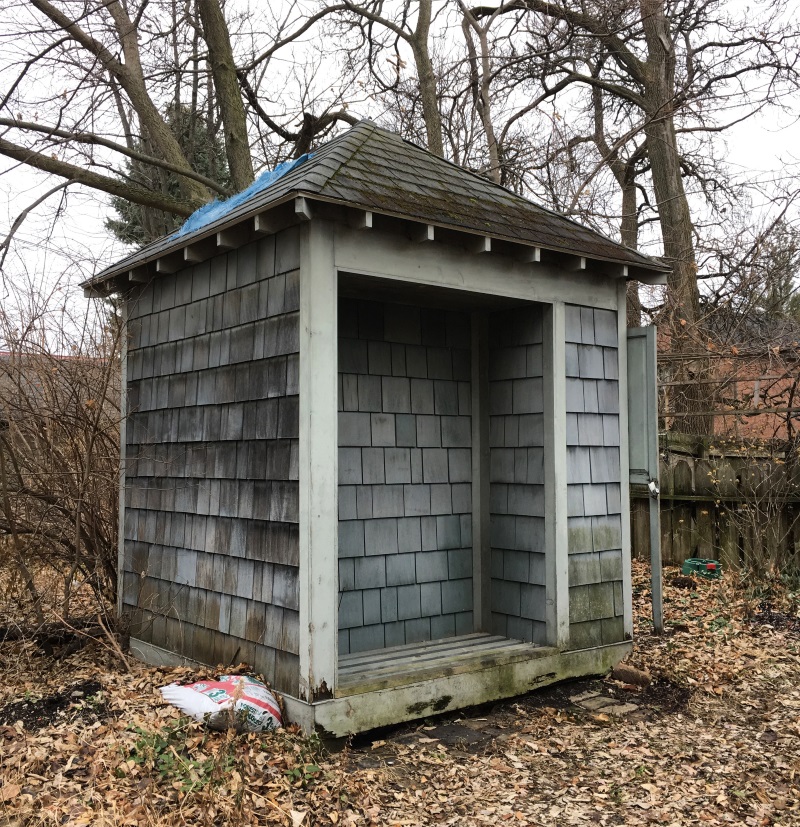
340	717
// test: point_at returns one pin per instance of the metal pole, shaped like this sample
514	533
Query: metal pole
655	560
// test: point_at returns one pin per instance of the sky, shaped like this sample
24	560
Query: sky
51	257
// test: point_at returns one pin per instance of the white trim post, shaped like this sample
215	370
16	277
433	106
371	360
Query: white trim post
624	465
555	476
319	589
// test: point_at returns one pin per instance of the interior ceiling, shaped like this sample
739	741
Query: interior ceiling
355	286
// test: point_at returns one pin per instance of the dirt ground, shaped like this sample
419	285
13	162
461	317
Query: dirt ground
714	739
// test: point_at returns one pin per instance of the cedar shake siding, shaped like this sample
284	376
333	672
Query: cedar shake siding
593	478
516	474
211	535
405	475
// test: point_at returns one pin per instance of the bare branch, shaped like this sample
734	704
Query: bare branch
19	220
113	186
97	140
290	38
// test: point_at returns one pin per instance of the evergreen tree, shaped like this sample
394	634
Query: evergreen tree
138	225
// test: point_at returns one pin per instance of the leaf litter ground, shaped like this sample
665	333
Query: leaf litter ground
714	739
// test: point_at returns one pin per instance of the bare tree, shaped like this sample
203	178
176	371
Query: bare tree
480	66
223	70
121	65
607	107
660	66
383	31
120	69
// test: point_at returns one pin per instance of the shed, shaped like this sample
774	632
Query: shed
375	441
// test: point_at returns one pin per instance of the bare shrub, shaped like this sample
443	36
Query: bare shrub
59	463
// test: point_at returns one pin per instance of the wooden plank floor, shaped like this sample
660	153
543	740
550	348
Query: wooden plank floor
401	665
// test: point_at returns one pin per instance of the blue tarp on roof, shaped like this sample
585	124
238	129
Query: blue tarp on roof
209	213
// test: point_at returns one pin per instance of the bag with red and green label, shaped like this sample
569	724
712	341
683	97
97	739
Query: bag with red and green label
231	701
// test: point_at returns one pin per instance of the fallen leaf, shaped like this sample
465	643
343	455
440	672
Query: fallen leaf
9	791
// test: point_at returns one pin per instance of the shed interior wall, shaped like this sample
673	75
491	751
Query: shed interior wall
516	468
405	474
406	487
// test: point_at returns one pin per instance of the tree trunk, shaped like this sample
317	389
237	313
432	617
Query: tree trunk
675	220
481	87
625	175
427	79
229	96
131	78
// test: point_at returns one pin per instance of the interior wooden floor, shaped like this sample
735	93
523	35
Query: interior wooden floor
403	665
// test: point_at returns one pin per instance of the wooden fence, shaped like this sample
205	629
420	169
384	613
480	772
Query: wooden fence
733	501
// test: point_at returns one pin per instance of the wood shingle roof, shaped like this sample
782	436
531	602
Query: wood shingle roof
376	170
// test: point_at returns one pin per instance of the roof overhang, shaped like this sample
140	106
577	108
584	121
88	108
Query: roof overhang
176	252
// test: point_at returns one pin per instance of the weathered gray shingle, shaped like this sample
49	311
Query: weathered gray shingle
377	170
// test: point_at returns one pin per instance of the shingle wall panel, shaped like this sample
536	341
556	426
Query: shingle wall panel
405	467
593	473
516	471
218	504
